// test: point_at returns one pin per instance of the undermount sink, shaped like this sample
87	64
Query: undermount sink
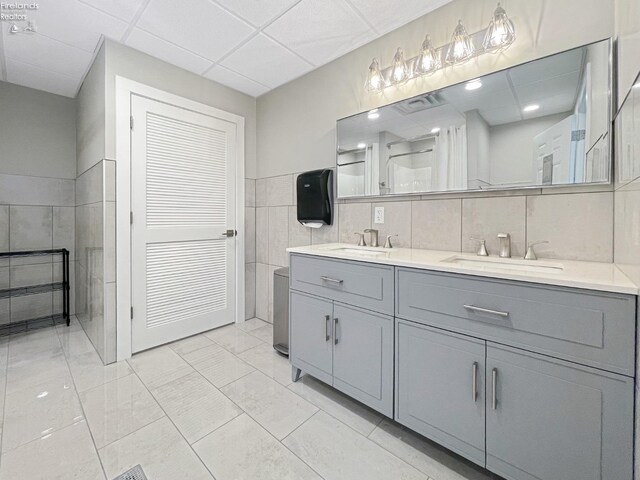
360	251
496	263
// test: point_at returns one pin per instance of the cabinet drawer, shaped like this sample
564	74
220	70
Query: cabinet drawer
355	283
592	328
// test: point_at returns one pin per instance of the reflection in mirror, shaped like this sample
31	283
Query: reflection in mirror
627	128
543	123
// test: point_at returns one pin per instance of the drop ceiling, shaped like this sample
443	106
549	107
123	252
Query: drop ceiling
250	45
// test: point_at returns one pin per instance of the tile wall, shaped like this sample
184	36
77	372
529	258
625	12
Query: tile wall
577	222
35	213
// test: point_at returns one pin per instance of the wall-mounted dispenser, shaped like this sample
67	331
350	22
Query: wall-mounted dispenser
314	191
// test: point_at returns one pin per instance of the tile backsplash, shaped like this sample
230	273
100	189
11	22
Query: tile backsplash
577	223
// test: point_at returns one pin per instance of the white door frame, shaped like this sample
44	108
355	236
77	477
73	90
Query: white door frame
125	88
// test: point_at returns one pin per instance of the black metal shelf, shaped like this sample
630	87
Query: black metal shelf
30	324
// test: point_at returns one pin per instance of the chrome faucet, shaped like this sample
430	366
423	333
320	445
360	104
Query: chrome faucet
374	236
387	243
482	246
361	242
505	245
531	253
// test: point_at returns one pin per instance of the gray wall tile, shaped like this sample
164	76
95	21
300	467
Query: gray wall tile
278	235
32	306
262	235
30	228
299	235
249	290
397	221
26	190
262	291
249	235
4	228
249	192
353	217
437	224
280	190
89	185
64	229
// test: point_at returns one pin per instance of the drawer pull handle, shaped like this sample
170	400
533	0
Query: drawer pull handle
335	331
473	308
494	381
474	381
327	328
331	280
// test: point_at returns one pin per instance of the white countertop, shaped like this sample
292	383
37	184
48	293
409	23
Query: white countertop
605	277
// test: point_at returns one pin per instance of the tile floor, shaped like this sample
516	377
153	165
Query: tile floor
219	405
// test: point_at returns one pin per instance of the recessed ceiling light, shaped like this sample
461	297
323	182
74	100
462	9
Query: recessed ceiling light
362	145
531	108
637	85
373	114
435	129
473	84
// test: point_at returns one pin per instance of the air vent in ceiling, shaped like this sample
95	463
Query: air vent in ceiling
418	104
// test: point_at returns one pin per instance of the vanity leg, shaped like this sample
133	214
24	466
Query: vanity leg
295	374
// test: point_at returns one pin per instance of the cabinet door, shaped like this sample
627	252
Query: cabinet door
363	356
310	345
440	387
556	420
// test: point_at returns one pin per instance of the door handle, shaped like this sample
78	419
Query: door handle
335	331
230	233
327	328
474	381
473	308
494	381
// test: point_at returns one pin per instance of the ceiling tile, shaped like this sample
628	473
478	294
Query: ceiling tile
34	77
46	53
234	80
156	47
321	30
203	28
257	12
123	9
76	24
386	16
264	61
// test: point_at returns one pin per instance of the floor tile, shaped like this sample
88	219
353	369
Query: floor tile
43	367
274	407
268	361
195	406
88	371
217	365
159	449
243	450
159	366
29	346
65	454
118	408
233	339
190	344
264	333
75	343
337	404
431	459
39	410
337	452
251	324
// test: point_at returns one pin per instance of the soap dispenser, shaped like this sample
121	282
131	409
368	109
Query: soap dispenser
314	192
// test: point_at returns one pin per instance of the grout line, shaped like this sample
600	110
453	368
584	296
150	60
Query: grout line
134	21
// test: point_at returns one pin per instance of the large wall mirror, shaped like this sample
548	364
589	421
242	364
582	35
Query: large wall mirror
543	123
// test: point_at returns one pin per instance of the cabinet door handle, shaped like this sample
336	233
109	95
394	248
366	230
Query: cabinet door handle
494	381
335	331
474	381
473	308
331	280
327	327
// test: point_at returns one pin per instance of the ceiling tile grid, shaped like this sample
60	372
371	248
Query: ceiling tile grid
250	45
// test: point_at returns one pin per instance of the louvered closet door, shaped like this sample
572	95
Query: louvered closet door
182	198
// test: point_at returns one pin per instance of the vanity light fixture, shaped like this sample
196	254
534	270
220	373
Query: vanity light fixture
461	47
435	129
428	60
399	70
375	80
500	33
473	84
531	108
373	114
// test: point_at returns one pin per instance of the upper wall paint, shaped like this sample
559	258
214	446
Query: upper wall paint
37	133
137	66
296	122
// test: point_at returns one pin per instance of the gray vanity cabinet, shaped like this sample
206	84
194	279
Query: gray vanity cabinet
440	387
553	419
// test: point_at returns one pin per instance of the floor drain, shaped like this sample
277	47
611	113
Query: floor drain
135	473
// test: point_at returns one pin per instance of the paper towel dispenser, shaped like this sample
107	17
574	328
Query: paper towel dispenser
314	191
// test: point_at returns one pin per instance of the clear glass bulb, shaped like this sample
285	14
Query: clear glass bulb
461	47
428	61
399	69
500	33
375	80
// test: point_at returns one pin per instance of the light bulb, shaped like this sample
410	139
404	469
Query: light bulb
399	69
461	47
500	33
428	60
473	84
531	108
375	80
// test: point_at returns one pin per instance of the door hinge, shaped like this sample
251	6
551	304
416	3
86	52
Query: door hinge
131	218
132	313
131	122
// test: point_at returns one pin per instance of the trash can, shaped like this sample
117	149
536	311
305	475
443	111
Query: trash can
281	311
